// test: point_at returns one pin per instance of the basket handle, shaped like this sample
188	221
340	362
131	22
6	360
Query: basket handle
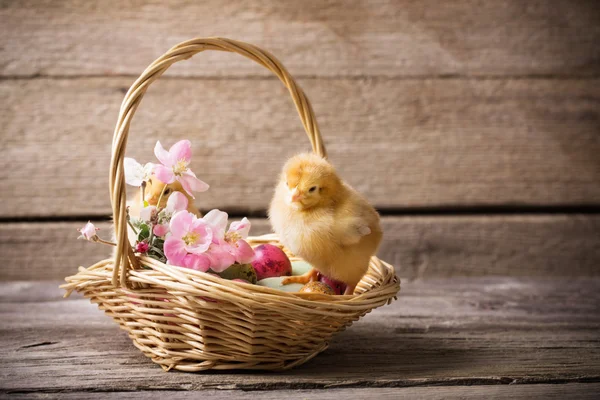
124	256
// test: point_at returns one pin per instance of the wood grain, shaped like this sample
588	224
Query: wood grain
477	331
312	38
403	143
582	391
419	247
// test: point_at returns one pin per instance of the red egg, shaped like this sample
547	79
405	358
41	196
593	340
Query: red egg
337	286
270	261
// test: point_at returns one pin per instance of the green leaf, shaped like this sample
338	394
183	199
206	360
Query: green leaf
144	232
136	222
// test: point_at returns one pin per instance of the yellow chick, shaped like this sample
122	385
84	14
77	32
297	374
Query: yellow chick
325	221
154	188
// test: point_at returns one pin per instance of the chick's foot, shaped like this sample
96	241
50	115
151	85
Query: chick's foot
310	276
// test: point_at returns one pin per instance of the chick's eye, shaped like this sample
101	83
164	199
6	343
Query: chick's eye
167	191
312	189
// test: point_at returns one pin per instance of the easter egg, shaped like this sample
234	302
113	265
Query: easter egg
317	287
270	261
240	271
275	283
300	267
337	286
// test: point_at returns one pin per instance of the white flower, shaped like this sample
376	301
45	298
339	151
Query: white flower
88	232
135	173
147	213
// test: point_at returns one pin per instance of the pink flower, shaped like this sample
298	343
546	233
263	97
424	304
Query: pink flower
238	231
160	230
177	202
88	232
175	167
228	247
142	247
190	239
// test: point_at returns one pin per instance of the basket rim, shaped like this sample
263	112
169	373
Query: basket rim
379	285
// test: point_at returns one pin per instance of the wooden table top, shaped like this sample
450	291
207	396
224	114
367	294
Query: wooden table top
443	338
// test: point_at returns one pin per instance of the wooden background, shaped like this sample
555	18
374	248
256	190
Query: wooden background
474	127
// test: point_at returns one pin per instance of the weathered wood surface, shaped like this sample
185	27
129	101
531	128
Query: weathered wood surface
403	143
569	391
468	331
314	37
419	247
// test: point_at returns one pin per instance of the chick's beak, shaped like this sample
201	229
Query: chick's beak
297	196
152	201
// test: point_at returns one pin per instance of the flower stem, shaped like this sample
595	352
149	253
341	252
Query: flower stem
143	189
132	227
130	224
160	198
98	240
157	210
151	237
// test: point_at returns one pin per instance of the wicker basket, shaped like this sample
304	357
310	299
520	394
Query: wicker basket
192	321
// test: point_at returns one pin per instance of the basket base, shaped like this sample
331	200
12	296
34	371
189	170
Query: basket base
190	321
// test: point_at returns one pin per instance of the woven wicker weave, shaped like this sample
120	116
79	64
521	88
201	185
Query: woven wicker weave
192	321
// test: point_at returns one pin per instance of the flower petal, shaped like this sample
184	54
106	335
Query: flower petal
192	184
148	170
180	223
220	258
198	262
163	156
181	150
186	187
88	231
160	230
205	236
164	174
177	202
241	227
244	254
134	173
217	220
146	213
175	250
201	227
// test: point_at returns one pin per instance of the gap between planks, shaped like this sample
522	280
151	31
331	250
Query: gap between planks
299	77
564	391
418	246
449	211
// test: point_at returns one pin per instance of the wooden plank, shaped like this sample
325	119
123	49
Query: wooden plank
517	392
349	38
419	247
477	331
403	143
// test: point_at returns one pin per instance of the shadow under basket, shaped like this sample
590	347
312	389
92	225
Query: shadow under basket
193	321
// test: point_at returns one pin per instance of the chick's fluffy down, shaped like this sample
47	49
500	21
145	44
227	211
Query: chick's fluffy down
324	220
